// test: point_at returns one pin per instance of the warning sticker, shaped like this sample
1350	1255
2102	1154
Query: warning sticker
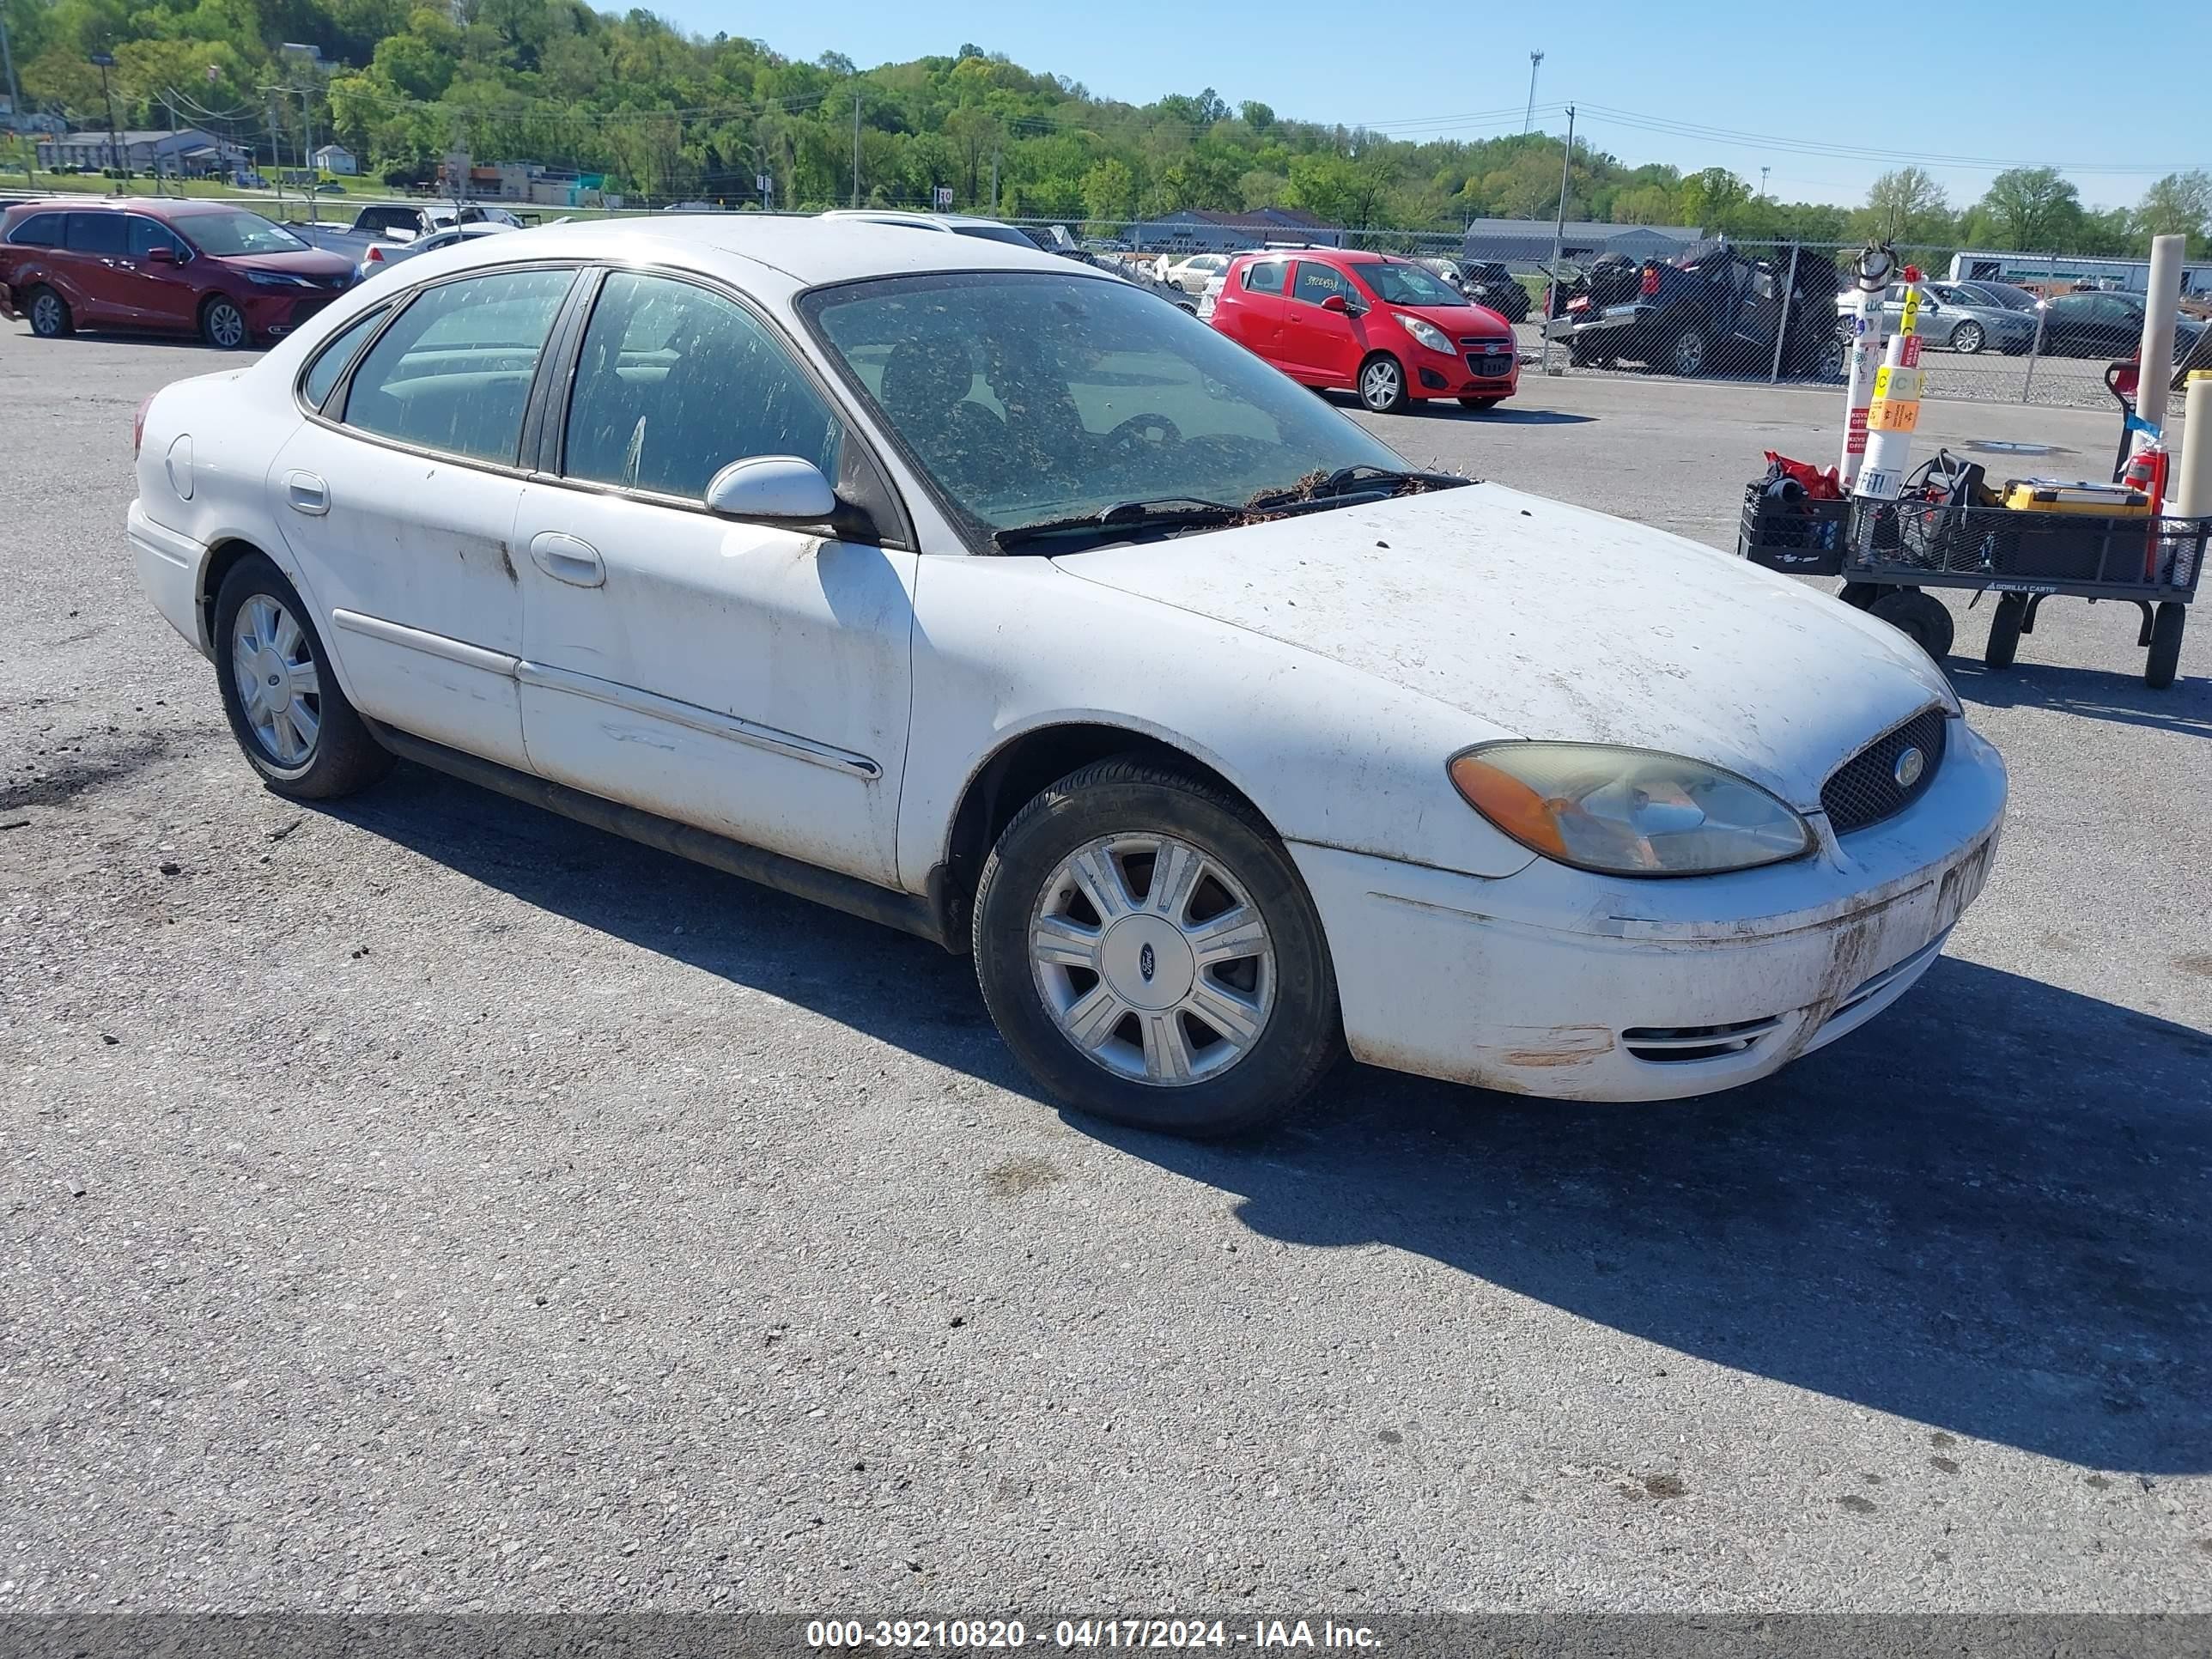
1894	417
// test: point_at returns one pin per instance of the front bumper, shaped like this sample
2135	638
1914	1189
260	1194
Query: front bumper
272	314
1552	981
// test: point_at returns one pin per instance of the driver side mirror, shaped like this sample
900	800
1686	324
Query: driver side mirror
1341	305
161	254
772	487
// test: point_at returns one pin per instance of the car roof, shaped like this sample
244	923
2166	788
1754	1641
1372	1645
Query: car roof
155	207
803	252
1349	256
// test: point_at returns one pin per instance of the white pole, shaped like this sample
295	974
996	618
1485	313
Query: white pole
1552	295
1895	411
2192	468
1864	361
2160	306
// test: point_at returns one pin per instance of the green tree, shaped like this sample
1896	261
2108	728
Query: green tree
1906	206
2179	204
1714	199
1109	192
2029	209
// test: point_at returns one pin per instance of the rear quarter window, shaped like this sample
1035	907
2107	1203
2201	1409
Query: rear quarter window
39	230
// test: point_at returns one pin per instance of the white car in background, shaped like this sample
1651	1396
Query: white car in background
383	254
1192	275
966	589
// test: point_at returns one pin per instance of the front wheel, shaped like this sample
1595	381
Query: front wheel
1687	355
1149	953
1382	385
284	705
1968	338
222	324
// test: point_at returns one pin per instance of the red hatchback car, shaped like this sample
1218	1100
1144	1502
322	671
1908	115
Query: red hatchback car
204	268
1382	327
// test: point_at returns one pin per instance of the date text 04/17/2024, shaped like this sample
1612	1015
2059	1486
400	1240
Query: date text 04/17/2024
985	1634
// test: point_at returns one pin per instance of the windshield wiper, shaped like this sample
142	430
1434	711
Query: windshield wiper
1353	480
1169	513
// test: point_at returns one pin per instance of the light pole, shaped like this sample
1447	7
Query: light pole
104	61
1535	62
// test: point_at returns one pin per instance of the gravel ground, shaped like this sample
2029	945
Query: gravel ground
425	1203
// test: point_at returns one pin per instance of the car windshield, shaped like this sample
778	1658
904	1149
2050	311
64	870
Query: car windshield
1027	398
232	232
1398	284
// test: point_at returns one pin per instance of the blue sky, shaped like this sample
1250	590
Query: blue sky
2035	81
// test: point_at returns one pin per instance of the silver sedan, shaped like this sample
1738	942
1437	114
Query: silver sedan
381	255
1958	317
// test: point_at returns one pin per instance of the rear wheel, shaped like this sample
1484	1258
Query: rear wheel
1686	354
1147	951
222	324
2004	631
2164	662
284	704
1860	596
48	313
1921	618
1382	384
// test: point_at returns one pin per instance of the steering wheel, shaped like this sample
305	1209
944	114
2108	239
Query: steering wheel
1154	431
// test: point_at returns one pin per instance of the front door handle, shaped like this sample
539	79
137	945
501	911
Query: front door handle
305	493
566	559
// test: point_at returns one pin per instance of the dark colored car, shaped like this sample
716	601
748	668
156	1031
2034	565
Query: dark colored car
1487	282
176	267
1715	313
2108	325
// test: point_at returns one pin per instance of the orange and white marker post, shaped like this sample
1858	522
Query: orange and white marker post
1895	409
1863	361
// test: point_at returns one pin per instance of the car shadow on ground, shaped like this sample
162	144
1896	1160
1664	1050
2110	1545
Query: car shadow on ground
1984	1211
2093	693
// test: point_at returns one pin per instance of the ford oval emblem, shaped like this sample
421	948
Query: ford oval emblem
1147	963
1909	765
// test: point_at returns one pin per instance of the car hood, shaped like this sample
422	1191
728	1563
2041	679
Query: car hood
1542	621
1457	320
307	262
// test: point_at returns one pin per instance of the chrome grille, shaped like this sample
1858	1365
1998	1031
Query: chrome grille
1864	790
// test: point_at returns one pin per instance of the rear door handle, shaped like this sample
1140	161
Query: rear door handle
566	559
305	493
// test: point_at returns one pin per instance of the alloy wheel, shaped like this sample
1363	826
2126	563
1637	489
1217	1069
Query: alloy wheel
1690	352
226	325
1966	338
1152	959
46	315
1378	384
278	683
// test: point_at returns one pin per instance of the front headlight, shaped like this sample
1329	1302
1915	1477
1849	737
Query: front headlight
1627	812
1427	333
277	279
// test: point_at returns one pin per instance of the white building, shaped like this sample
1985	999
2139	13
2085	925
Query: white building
336	158
189	152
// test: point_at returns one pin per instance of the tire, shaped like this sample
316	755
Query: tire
1860	596
1828	365
1382	385
1687	351
1921	618
48	313
1479	404
2164	662
2004	631
222	324
1969	337
1035	924
330	752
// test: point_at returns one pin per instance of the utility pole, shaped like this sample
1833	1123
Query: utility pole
1559	241
7	58
1762	171
856	149
1535	62
104	61
994	181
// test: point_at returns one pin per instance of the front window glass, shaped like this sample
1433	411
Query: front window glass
146	235
1030	397
1408	285
675	383
1318	282
238	231
453	372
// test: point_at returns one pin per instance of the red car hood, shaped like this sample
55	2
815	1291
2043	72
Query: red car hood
307	262
1458	320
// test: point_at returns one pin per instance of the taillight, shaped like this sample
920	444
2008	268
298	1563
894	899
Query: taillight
1650	280
1580	302
138	425
375	256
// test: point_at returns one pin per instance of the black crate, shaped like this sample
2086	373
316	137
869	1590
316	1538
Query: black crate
1807	539
2001	547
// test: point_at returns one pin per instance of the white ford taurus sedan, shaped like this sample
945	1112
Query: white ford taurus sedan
990	596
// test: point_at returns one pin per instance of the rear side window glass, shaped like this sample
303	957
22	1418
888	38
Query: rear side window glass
453	371
1266	278
331	362
676	382
39	230
97	233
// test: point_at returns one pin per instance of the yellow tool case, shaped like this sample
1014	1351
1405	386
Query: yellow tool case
2044	495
